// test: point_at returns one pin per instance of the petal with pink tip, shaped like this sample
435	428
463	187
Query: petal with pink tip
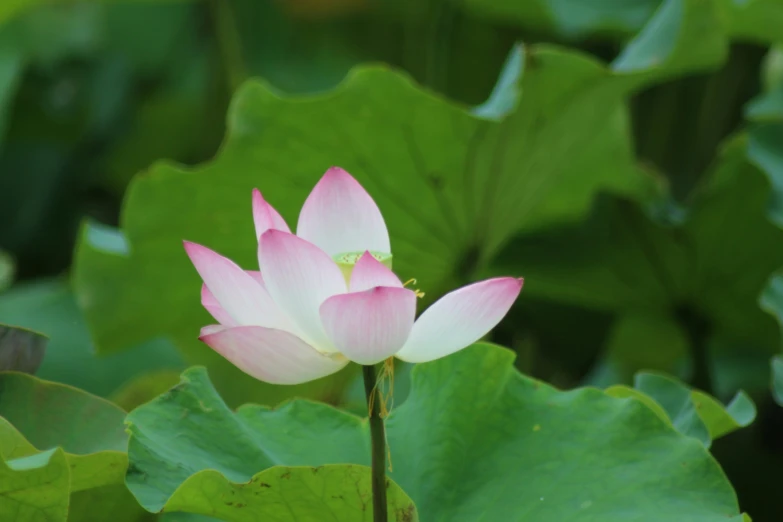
370	326
368	273
271	355
237	292
460	318
209	302
339	216
265	216
300	276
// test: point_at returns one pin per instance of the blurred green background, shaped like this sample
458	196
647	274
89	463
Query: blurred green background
626	158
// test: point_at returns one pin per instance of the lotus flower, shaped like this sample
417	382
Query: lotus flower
327	295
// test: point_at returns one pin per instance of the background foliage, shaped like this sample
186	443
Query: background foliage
627	160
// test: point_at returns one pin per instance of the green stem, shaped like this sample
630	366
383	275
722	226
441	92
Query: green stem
378	441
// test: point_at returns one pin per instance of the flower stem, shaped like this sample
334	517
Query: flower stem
378	441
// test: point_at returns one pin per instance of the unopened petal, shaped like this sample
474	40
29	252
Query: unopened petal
300	276
370	326
265	216
460	318
271	355
339	216
368	273
237	292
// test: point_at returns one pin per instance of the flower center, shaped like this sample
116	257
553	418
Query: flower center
348	260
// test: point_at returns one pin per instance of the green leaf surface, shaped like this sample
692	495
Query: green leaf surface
713	264
83	505
21	350
35	488
646	340
754	20
765	133
471	429
695	413
48	306
453	188
114	501
11	8
682	35
569	17
335	492
88	428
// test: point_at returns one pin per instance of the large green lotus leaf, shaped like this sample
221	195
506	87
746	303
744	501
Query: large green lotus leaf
91	432
569	17
298	494
35	488
712	263
754	20
112	501
453	188
88	428
646	340
682	35
21	350
48	306
474	439
83	505
144	388
765	132
691	412
12	8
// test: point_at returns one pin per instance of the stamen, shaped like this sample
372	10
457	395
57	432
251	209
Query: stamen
412	281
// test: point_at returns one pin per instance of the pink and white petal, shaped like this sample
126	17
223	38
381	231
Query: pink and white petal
255	274
339	216
212	306
271	355
209	302
211	329
300	276
238	293
368	273
460	318
370	326
265	216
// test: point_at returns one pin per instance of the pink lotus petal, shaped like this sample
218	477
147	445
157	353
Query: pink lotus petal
340	217
368	273
265	216
370	326
460	318
300	276
209	302
272	355
212	329
238	293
